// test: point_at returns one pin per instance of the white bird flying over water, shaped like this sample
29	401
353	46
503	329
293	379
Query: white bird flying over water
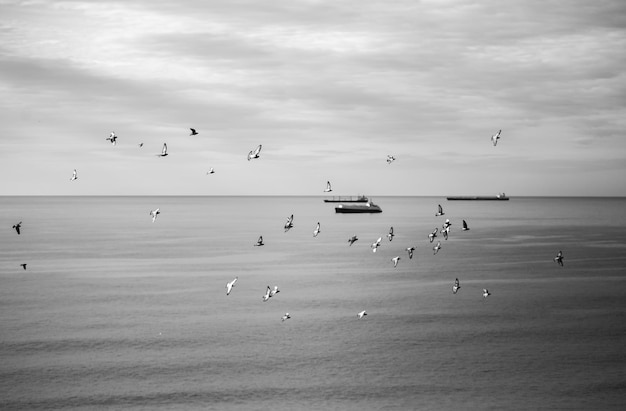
456	286
230	285
445	232
432	235
193	132
211	171
390	235
289	223
112	138
317	230
395	260
259	242
390	159
274	291
352	239
328	188
376	244
17	227
437	247
439	211
254	153
496	137
154	214
465	227
268	294
285	317
410	251
361	314
74	176
163	151
559	258
486	293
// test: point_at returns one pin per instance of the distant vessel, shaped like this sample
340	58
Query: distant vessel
349	199
499	197
368	207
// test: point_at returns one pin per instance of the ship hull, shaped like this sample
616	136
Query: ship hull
477	198
358	208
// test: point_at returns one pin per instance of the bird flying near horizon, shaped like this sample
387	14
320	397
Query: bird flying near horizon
255	153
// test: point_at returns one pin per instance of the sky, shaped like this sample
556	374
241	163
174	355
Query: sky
328	88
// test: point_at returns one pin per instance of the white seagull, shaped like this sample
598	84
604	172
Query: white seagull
352	239
559	258
376	244
328	189
112	137
445	231
259	242
410	251
390	235
465	227
289	223
230	285
285	317
496	137
486	293
268	294
456	286
390	159
74	176
432	235
193	132
439	211
254	153
154	214
395	260
274	291
163	151
437	247
317	230
211	171
361	314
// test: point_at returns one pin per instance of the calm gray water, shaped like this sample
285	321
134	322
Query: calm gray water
117	312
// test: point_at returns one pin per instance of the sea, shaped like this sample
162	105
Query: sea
115	311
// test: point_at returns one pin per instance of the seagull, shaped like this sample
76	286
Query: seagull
361	314
74	176
267	294
437	247
211	171
289	223
390	159
163	151
559	258
376	244
23	266
395	261
447	223
410	251
352	239
456	286
496	137
17	227
254	153
259	242
317	230
432	235
328	189
390	235
112	137
230	285
140	145
154	214
445	232
439	211
486	293
465	227
274	291
285	317
193	132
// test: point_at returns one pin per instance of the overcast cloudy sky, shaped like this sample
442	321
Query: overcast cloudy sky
329	88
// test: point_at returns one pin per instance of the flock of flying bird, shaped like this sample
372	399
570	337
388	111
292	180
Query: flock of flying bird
271	292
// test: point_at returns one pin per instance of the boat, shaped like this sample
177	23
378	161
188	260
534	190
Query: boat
350	199
368	207
499	197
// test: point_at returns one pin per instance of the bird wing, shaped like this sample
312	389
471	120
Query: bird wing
258	150
164	150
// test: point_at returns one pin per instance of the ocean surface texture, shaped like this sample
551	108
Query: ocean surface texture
116	312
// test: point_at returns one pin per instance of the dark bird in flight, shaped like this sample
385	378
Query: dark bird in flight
465	227
559	258
23	266
193	132
352	239
17	227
